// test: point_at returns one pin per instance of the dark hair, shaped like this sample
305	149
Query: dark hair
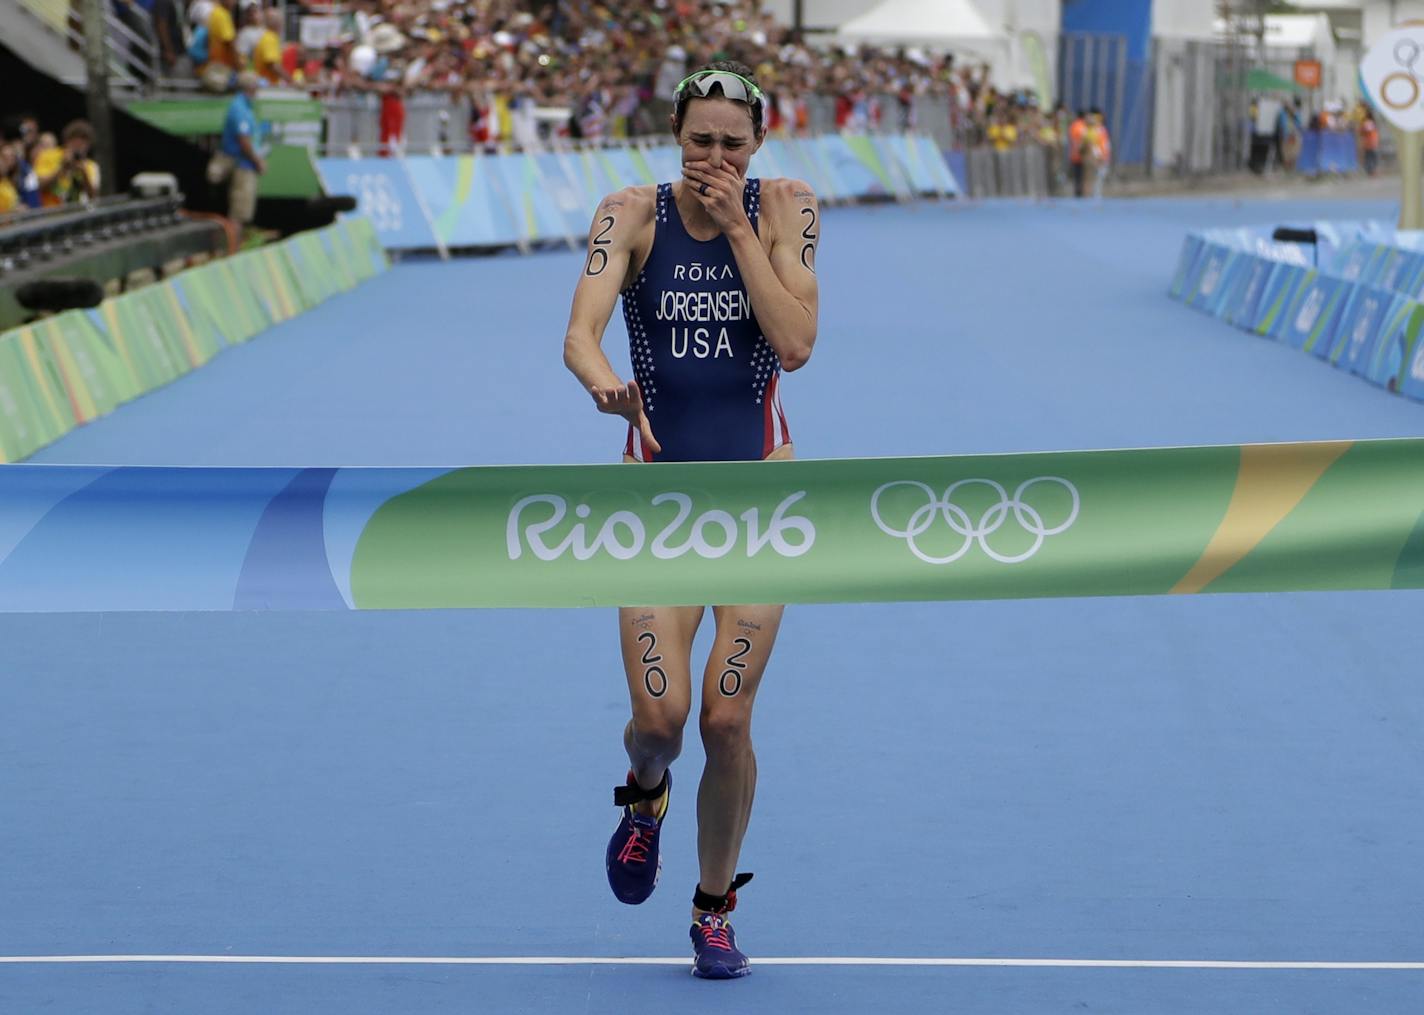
78	129
731	67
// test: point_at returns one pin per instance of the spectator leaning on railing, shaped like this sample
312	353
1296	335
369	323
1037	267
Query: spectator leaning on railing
220	60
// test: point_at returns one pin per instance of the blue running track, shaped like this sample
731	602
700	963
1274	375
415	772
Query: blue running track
1233	779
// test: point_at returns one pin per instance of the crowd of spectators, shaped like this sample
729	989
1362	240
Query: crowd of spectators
39	169
1277	126
593	69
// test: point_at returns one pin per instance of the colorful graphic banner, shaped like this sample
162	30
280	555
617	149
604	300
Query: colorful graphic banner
422	202
74	367
1255	518
1358	312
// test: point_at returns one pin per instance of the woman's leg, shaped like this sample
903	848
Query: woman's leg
657	647
745	636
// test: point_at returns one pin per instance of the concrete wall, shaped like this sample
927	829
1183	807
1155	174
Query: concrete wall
1183	19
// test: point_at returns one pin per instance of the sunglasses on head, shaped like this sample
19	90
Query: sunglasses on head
734	86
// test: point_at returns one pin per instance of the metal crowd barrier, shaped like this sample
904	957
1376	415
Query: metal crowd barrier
48	234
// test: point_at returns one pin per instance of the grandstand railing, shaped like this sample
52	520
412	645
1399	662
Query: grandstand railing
133	49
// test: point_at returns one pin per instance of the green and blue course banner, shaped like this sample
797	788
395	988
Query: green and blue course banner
1359	325
1350	262
384	195
1239	306
1399	274
1211	276
536	210
1253	518
1206	270
1280	293
1312	314
1192	248
1398	337
1411	379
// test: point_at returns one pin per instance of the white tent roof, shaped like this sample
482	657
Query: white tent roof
939	23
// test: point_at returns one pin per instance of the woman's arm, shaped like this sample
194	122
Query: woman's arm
612	244
782	284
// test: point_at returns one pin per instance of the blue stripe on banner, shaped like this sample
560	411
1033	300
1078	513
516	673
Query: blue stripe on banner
945	177
1351	261
1186	264
565	189
1358	325
29	496
1387	357
286	566
1240	308
92	549
536	210
462	201
1314	305
1208	276
383	195
855	176
666	163
1412	377
1286	283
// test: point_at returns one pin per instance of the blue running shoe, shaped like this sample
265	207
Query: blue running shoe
633	861
714	947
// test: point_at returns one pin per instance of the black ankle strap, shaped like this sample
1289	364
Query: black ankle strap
719	903
632	793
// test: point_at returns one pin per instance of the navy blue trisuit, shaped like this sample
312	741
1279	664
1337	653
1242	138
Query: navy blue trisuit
710	380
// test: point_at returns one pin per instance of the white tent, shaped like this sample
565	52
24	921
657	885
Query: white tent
939	24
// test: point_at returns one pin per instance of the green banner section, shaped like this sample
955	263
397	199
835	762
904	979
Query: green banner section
1337	515
66	370
290	173
205	115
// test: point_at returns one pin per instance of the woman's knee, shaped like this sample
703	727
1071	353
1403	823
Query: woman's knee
659	731
725	728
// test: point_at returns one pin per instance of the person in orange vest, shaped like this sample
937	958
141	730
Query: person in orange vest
1369	140
1077	130
1098	150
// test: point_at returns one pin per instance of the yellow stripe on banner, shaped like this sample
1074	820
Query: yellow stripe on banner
284	293
82	399
197	356
1272	480
111	318
62	421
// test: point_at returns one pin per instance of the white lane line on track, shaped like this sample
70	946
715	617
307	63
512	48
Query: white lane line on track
543	960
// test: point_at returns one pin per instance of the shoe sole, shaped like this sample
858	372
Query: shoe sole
722	973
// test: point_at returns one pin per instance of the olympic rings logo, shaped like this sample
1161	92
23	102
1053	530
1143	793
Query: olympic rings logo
972	530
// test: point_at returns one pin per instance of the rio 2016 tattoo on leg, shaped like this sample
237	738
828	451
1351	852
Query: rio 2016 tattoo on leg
598	257
654	677
731	679
809	235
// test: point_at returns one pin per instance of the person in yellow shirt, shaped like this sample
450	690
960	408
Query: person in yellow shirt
66	173
9	195
267	57
218	73
1002	133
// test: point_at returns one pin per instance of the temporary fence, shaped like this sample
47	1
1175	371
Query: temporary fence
63	371
436	202
1337	515
1355	298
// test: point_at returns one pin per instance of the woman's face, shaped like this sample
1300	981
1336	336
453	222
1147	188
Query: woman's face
718	131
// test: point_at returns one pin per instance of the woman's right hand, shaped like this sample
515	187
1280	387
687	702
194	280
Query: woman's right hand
627	401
